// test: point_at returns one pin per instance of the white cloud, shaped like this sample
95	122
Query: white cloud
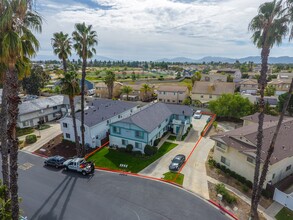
152	29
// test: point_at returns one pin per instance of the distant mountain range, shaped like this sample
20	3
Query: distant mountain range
208	59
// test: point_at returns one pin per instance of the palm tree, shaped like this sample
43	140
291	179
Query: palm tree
196	77
126	90
84	41
18	44
268	27
61	44
145	89
109	81
70	86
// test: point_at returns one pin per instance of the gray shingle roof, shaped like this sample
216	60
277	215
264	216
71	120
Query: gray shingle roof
283	147
254	118
103	109
151	117
39	104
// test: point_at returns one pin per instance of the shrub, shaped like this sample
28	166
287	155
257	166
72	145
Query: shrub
150	150
30	139
245	188
221	189
157	141
129	148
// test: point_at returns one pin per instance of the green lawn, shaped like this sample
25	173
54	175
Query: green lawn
172	138
284	214
171	176
24	131
43	127
109	158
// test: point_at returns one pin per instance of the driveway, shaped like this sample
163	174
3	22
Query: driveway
161	166
46	135
48	193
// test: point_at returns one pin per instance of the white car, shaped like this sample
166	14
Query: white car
197	114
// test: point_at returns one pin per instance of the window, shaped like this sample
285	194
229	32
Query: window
211	96
64	125
288	167
221	147
225	161
201	96
25	123
168	100
159	126
273	177
138	145
55	107
124	142
116	130
108	121
160	100
174	93
250	160
139	134
67	135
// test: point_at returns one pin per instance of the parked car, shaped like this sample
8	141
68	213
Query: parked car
197	114
79	165
177	162
55	161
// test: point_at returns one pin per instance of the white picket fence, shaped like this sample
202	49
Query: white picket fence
284	199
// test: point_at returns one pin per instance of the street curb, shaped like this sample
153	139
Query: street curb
40	155
223	209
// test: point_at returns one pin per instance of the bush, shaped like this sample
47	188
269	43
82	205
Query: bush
30	139
157	141
150	150
221	189
129	148
245	188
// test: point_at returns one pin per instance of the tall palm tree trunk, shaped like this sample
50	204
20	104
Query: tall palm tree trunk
71	102
3	133
272	145
64	65
13	100
262	83
82	151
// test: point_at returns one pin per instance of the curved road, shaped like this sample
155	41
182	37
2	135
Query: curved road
50	194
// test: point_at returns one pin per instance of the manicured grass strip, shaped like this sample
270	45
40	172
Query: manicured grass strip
43	127
284	214
172	138
24	131
171	176
111	159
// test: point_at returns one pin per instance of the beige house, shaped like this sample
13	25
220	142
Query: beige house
207	91
137	94
236	149
249	86
172	94
102	90
281	85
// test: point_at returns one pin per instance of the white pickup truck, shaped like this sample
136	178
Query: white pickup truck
79	165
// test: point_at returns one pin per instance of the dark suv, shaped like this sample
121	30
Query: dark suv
55	161
177	162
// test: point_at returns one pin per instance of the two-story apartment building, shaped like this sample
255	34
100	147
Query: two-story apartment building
281	85
236	149
172	94
42	109
149	124
249	86
97	117
102	90
207	91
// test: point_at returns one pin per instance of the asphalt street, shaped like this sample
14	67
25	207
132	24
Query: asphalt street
51	194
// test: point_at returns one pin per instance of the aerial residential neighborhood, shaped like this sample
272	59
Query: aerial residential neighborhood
124	110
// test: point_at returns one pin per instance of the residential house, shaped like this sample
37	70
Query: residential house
150	124
283	75
137	94
249	86
207	91
214	77
88	85
281	85
41	109
271	100
97	117
102	90
236	149
172	94
235	73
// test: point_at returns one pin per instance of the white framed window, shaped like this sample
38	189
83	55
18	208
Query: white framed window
225	161
250	160
124	142
138	145
221	147
288	167
116	130
67	135
65	125
139	134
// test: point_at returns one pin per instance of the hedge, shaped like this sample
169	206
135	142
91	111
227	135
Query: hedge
30	139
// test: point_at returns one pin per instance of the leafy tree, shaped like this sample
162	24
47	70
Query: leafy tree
18	45
196	77
187	101
70	87
85	39
269	27
126	90
231	106
282	98
230	78
133	76
109	81
35	81
62	46
270	90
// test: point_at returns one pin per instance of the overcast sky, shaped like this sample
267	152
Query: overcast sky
154	29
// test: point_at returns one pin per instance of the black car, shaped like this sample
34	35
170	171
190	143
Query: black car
55	161
177	162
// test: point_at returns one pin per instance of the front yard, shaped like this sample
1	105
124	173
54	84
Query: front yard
284	214
170	176
111	159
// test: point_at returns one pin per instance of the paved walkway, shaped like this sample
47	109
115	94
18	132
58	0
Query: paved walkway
46	136
274	208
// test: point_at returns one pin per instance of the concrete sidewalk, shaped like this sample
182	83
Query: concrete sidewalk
46	136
